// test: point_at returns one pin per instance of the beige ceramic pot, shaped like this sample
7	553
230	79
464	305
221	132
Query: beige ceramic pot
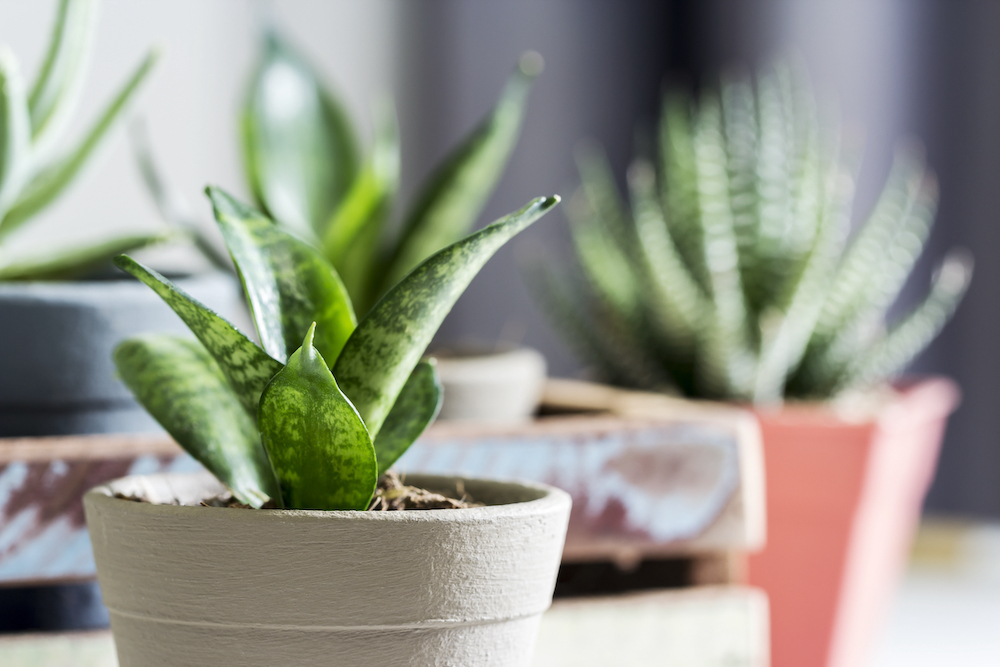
490	385
189	586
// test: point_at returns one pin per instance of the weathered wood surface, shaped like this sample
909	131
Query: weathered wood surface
43	536
650	481
698	627
653	477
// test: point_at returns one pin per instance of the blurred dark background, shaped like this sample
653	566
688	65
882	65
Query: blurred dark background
895	69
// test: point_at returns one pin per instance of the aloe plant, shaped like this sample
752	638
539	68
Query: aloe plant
731	272
35	166
304	168
326	403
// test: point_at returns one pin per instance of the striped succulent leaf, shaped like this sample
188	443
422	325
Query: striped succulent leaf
389	341
736	278
289	283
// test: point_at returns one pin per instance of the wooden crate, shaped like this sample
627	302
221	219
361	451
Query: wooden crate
43	535
653	480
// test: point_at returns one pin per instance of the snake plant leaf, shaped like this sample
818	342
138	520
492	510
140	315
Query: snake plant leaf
415	408
375	183
288	282
455	195
60	79
351	241
247	367
15	131
49	183
299	149
318	446
389	341
74	261
184	389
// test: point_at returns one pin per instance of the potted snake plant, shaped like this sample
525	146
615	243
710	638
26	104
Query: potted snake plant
299	433
732	275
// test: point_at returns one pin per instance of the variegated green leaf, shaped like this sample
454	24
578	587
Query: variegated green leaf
299	149
288	282
247	367
51	181
317	444
15	132
389	341
455	195
919	328
184	389
76	261
60	80
415	408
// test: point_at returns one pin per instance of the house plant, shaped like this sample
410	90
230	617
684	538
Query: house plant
277	424
48	387
304	168
732	276
62	310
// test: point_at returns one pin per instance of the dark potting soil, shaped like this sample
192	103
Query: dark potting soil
391	494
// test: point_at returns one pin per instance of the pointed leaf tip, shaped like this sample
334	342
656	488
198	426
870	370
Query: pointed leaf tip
318	446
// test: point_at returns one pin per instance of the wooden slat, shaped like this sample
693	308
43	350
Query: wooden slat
698	627
75	649
650	476
86	447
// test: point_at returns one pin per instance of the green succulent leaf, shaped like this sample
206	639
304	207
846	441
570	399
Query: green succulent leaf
15	131
77	261
917	329
351	242
51	181
288	282
60	79
247	367
184	389
455	195
318	446
415	408
389	341
299	149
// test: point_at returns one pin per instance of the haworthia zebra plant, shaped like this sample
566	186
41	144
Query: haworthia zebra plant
302	161
35	167
312	416
730	274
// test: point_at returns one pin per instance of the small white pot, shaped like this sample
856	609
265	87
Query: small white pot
191	586
494	386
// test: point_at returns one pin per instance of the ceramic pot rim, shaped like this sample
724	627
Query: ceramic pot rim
549	498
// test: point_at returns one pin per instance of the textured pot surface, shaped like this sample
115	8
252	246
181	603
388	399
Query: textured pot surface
56	372
843	503
502	386
194	586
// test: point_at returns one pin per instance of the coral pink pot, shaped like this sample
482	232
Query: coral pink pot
843	502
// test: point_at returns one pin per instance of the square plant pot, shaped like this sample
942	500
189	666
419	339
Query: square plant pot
844	501
191	585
